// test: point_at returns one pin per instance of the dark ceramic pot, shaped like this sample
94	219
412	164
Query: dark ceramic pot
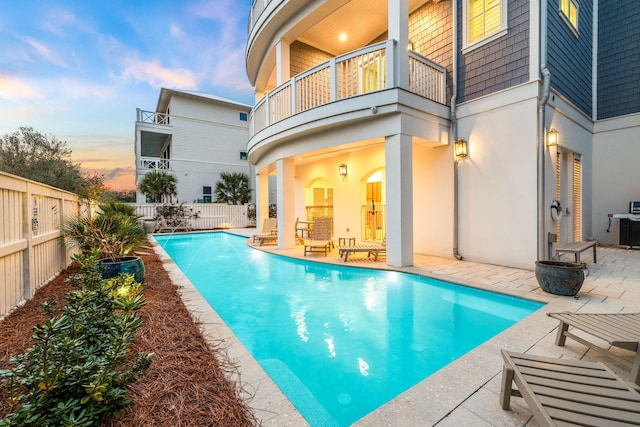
560	278
126	264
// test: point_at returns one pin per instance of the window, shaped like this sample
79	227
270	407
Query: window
577	199
243	155
206	194
569	11
243	117
485	20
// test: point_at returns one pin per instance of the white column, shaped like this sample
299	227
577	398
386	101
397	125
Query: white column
399	30
399	191
283	60
285	202
262	199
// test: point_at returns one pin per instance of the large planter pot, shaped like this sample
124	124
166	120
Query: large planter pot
126	264
149	225
560	278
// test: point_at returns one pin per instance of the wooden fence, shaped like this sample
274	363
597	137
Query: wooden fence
206	216
32	251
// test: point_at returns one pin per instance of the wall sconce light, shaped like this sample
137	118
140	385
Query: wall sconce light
461	148
552	138
342	170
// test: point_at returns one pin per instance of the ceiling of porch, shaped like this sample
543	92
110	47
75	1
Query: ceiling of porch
361	21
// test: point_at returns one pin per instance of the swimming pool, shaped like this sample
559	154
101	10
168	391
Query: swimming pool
339	341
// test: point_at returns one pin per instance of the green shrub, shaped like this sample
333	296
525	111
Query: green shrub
79	369
116	231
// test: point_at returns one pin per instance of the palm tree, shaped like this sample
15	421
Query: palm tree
158	187
233	188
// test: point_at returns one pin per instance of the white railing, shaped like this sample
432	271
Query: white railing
31	248
355	73
426	78
256	10
154	163
204	216
152	117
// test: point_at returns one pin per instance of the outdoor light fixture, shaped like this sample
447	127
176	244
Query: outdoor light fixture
461	148
342	170
552	138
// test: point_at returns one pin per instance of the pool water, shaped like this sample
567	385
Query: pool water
339	341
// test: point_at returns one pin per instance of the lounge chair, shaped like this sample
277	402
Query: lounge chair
617	329
568	392
322	236
374	249
268	232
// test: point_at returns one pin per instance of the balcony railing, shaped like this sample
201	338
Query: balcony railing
362	71
155	163
152	117
256	10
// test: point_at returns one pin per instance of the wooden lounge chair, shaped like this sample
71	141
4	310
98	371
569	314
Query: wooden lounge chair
322	237
371	249
268	232
568	392
617	329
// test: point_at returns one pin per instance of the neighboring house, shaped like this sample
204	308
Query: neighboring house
360	104
193	136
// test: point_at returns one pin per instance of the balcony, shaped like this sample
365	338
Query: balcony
152	117
154	164
363	71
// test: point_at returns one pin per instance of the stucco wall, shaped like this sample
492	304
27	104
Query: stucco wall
433	200
616	175
498	180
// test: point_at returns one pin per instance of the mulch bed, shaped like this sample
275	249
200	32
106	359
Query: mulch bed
187	383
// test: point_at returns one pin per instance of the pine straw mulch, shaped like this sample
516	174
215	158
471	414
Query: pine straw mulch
187	383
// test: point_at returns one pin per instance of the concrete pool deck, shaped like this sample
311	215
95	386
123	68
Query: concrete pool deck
465	392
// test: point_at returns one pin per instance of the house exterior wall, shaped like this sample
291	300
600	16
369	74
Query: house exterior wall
430	32
497	182
575	131
497	65
569	57
302	57
618	58
616	176
433	200
499	87
206	139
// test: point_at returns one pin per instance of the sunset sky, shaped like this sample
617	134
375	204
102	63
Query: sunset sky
77	70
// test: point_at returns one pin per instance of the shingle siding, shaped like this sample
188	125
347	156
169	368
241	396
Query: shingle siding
618	58
500	64
569	57
303	57
430	31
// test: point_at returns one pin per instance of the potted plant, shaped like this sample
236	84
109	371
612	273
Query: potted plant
560	278
115	232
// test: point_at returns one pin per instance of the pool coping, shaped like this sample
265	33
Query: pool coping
448	395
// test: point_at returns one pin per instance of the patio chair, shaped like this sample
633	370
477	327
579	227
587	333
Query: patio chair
617	329
374	249
568	392
268	232
322	236
171	225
